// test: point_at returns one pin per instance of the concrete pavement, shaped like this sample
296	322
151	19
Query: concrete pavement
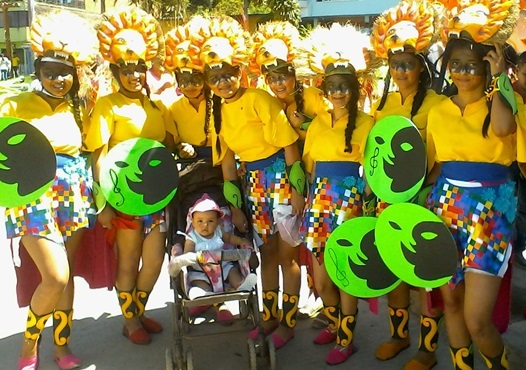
98	341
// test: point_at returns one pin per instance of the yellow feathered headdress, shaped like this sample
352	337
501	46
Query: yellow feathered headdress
410	24
327	54
274	46
129	36
49	39
483	21
182	51
223	41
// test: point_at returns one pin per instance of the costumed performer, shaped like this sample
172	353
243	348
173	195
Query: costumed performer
333	153
252	124
471	136
402	36
128	40
51	227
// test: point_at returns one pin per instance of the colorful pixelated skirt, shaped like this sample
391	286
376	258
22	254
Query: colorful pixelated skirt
267	187
334	197
479	215
64	208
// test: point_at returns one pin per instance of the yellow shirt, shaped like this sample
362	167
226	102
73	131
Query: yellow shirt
393	106
255	126
326	142
59	126
191	123
454	136
117	118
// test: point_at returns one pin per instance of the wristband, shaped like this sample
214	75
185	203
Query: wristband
232	193
501	83
296	175
100	199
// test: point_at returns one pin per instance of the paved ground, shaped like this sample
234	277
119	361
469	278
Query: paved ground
98	341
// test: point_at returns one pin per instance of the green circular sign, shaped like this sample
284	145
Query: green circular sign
28	164
395	159
416	245
139	177
353	262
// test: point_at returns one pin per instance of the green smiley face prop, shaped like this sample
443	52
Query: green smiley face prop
139	177
416	245
395	159
27	163
353	262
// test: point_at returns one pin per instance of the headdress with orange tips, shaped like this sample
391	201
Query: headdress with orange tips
328	55
128	36
274	46
484	21
223	41
182	50
52	43
410	24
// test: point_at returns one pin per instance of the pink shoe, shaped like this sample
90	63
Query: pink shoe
339	354
225	317
197	310
68	362
325	337
254	333
28	363
278	342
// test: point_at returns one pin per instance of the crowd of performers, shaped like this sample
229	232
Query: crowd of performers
287	118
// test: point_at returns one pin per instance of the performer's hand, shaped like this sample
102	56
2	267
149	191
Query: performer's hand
185	150
239	220
295	118
106	216
298	203
496	60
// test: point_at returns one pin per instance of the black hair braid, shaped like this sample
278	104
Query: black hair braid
216	110
75	101
298	96
208	109
147	88
353	111
387	83
424	83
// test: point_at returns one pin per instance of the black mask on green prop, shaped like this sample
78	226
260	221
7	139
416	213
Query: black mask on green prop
27	162
139	177
416	245
395	159
353	262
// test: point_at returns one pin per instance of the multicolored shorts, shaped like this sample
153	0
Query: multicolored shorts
333	198
149	222
64	208
267	187
480	218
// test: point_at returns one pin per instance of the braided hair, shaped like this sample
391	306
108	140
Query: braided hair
424	83
450	90
352	106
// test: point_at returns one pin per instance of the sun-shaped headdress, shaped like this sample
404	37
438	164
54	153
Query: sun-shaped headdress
274	46
483	21
50	42
128	36
410	25
182	51
327	54
223	41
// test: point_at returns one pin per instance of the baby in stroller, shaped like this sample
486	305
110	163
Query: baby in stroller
207	235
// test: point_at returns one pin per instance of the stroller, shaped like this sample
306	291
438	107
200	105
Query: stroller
196	178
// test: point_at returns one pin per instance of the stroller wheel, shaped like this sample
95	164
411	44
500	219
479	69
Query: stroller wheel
271	353
262	345
168	358
252	357
189	360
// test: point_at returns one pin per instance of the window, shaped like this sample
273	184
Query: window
17	19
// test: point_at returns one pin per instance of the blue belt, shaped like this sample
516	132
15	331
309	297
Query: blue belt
64	160
475	171
337	169
267	162
204	152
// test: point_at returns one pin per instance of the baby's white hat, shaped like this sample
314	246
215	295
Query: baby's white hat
205	204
